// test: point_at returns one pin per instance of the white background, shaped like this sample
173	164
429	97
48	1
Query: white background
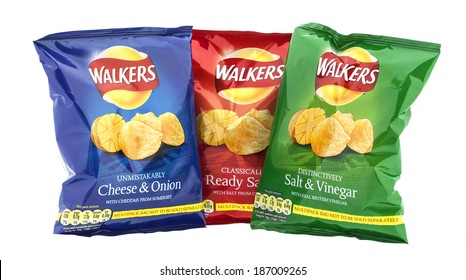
432	184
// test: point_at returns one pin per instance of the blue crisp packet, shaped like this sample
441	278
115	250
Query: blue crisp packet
124	120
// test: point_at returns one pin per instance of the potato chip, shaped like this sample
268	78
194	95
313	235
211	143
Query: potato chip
150	119
94	132
329	138
173	133
292	123
263	116
362	137
247	136
105	130
346	121
138	140
212	125
306	121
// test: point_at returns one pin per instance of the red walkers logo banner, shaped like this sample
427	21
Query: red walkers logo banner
112	73
340	79
248	75
244	73
123	76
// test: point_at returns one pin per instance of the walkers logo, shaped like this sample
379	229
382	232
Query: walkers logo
124	76
248	75
342	78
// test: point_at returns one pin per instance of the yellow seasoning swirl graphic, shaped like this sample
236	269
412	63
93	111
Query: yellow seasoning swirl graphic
124	76
248	75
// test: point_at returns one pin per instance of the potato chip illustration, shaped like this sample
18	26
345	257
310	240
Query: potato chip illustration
138	140
105	130
305	123
247	136
362	137
173	133
150	119
346	121
292	123
329	138
212	125
263	116
94	132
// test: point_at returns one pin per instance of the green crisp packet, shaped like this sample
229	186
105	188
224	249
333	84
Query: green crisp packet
334	155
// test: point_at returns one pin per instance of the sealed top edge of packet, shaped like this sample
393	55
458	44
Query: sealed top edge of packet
123	108
334	155
237	75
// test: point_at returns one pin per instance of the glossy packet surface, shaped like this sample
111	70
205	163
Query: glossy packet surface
334	155
124	121
236	76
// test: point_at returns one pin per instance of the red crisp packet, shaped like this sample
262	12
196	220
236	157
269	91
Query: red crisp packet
236	79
